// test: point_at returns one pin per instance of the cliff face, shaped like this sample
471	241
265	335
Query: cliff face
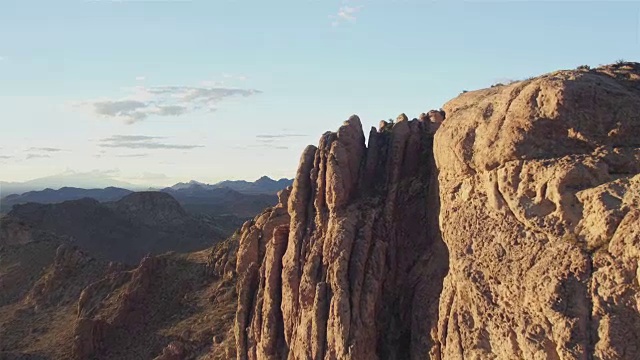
353	269
540	207
530	209
513	233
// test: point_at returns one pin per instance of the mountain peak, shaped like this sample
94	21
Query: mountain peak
263	185
264	179
152	208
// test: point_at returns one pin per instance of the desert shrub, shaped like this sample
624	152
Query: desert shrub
584	67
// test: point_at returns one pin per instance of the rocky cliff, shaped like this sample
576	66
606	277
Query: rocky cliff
504	226
352	265
540	202
513	234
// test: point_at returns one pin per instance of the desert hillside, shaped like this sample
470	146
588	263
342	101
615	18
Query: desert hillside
506	226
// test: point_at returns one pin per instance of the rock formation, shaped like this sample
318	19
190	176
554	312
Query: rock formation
540	201
512	233
355	269
56	302
536	193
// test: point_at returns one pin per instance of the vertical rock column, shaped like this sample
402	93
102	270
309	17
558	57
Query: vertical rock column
363	256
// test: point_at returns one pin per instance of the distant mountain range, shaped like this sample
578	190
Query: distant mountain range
50	196
98	180
242	199
125	230
264	185
88	180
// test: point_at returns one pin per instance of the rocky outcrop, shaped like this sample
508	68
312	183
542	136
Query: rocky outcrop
513	233
98	319
174	306
256	241
13	231
537	199
356	272
50	288
540	206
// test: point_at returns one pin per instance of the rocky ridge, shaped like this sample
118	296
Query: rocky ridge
511	233
515	237
59	303
540	192
353	264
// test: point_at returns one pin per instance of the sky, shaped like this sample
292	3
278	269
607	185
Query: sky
157	92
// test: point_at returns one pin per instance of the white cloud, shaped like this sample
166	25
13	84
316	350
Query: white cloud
44	149
142	101
132	155
345	14
141	142
37	156
140	78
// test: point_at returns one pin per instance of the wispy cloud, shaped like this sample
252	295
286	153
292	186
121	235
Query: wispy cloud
345	13
140	78
132	138
132	155
277	136
143	101
5	157
2	58
44	149
40	152
262	146
37	156
141	142
271	141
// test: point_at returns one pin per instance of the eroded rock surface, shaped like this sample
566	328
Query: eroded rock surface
354	270
539	210
537	199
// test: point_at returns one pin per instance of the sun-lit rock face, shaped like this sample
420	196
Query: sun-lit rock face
540	202
356	273
530	208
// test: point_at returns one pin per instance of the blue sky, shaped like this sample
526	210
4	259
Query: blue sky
156	92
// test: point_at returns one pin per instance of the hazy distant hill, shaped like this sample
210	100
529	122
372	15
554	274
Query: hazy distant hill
264	185
50	196
88	180
125	230
242	199
221	201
